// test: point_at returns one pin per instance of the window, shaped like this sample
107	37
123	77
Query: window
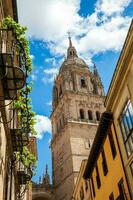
93	188
83	84
98	178
97	115
111	196
131	167
81	193
126	125
82	114
71	53
122	193
90	117
112	144
104	163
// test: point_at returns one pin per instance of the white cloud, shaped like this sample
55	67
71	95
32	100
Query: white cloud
105	29
49	103
32	56
33	77
109	7
42	126
50	74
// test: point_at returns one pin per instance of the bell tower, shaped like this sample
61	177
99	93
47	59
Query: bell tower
78	97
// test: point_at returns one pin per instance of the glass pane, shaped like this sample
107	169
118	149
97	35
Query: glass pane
130	107
130	144
128	149
123	130
126	125
130	110
128	118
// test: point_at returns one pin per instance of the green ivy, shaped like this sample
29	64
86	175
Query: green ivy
19	31
27	158
23	103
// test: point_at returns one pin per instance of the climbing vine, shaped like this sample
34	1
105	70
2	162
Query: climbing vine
19	31
26	116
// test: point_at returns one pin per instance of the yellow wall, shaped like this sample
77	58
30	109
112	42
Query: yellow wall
115	173
121	90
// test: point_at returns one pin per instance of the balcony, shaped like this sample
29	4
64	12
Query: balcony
24	174
19	139
12	64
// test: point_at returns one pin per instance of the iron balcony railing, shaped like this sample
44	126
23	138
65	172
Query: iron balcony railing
24	174
12	64
19	135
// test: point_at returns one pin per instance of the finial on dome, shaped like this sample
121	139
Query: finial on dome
69	37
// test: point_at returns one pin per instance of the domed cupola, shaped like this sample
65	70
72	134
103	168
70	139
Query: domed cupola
72	58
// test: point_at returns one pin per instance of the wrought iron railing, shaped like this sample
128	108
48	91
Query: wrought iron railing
12	64
24	174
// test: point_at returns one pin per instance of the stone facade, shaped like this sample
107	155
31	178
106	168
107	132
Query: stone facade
14	175
7	8
78	98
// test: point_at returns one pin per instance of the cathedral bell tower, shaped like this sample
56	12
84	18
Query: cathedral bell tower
78	97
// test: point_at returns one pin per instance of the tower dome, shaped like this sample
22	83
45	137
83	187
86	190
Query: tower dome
72	58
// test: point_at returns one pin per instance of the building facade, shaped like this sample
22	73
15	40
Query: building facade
120	101
78	97
6	8
15	126
105	170
81	188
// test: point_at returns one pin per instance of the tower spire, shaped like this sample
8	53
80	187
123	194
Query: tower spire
71	51
70	41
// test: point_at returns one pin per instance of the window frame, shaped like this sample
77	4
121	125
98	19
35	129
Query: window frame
111	196
104	163
82	114
93	187
98	177
90	115
83	82
97	115
122	194
82	193
112	143
126	127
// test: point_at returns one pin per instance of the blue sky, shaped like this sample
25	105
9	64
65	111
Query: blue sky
98	29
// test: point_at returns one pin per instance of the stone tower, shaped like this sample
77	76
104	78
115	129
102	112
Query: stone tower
78	97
